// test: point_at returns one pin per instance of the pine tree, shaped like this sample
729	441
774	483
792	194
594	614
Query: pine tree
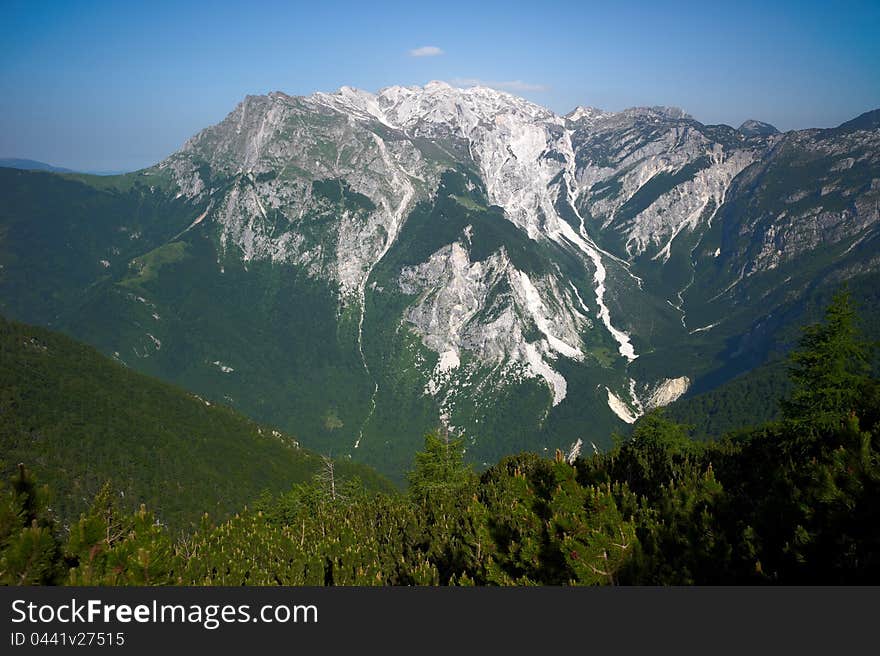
588	537
440	467
657	453
109	547
29	550
828	369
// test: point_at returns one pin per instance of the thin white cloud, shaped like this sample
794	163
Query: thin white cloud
506	85
426	51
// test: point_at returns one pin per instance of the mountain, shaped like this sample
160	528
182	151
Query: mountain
30	165
753	128
867	121
78	419
362	267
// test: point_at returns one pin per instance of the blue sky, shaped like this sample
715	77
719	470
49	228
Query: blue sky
120	85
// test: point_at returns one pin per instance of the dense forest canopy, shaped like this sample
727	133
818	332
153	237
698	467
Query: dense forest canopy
788	502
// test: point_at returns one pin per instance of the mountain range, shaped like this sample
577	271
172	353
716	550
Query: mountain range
359	268
34	165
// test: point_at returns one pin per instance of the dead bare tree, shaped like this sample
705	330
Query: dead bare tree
327	476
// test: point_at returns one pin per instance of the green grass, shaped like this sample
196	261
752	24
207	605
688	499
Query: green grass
146	267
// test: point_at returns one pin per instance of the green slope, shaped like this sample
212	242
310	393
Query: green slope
77	418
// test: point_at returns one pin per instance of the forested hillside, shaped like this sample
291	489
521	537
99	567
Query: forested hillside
746	401
790	502
753	398
79	419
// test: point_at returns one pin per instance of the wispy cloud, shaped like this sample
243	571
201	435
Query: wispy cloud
426	51
506	85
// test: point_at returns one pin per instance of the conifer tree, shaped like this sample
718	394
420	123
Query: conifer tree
29	550
589	538
828	369
109	547
440	467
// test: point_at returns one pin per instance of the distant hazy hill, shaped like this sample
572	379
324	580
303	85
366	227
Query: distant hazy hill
77	418
30	165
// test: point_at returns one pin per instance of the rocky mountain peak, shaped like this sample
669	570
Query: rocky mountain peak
753	128
586	114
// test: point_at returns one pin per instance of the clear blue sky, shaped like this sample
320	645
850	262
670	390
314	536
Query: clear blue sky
120	85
